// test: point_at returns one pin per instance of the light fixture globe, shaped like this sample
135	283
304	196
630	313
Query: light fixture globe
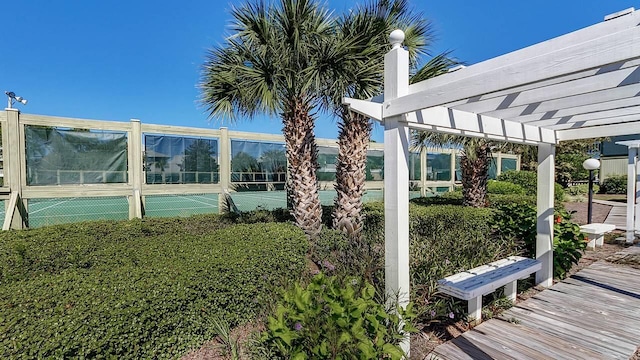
591	164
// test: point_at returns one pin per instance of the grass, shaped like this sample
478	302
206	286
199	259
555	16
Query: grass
611	197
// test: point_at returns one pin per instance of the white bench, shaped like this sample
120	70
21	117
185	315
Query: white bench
595	232
472	284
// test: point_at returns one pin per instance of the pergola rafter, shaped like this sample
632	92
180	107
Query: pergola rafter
581	85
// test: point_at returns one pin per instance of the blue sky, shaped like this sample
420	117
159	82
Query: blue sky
123	59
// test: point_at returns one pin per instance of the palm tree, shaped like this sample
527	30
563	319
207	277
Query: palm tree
360	75
273	63
475	161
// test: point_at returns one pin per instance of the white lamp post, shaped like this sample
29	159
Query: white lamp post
590	164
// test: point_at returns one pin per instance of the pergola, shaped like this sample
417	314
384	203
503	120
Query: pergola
581	85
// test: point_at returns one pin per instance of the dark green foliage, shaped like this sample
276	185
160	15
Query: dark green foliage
445	240
529	180
137	289
568	243
335	254
616	184
333	318
496	200
504	187
582	189
455	198
518	222
448	198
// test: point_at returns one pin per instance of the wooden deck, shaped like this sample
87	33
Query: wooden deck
595	314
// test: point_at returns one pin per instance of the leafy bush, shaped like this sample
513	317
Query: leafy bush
334	253
335	319
137	289
444	239
614	185
568	243
582	189
504	187
448	198
528	180
518	222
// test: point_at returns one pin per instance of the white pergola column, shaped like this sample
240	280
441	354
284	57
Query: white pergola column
545	202
631	193
636	222
396	178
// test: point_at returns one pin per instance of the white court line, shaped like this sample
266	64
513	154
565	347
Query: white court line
198	201
258	197
50	206
76	215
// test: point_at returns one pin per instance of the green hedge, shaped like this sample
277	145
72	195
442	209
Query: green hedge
137	289
529	180
616	184
504	187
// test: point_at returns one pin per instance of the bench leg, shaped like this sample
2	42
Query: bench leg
511	290
600	240
591	245
475	310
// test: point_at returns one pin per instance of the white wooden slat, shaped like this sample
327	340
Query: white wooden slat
492	101
587	85
570	101
572	39
598	131
620	121
485	279
616	47
439	118
593	108
610	115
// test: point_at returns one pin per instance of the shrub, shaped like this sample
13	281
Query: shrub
518	222
126	290
582	189
445	240
614	185
334	253
528	180
568	243
335	319
504	187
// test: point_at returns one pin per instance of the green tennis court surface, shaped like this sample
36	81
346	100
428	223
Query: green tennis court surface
43	212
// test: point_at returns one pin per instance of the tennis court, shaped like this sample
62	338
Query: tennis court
44	212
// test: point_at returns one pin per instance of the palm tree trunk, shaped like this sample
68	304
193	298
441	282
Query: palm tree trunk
302	158
475	175
353	141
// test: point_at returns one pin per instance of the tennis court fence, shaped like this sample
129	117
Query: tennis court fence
60	170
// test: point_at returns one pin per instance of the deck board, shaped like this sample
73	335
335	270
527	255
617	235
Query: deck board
593	315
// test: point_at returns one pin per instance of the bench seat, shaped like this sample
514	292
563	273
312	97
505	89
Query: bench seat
472	284
595	232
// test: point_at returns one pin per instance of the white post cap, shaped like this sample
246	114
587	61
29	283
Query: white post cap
396	38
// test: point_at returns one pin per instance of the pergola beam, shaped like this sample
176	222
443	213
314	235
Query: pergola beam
442	119
598	131
363	107
568	56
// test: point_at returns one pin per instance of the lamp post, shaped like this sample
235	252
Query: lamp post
590	164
